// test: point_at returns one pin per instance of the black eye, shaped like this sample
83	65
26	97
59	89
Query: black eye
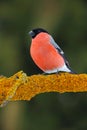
39	31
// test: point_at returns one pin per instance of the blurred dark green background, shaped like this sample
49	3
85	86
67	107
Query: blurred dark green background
66	20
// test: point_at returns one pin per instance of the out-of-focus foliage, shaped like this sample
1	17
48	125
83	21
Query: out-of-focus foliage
66	20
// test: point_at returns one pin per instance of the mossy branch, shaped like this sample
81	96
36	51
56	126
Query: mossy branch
23	87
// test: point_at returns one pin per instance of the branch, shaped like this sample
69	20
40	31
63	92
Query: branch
23	87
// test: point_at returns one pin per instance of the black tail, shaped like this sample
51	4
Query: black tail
72	72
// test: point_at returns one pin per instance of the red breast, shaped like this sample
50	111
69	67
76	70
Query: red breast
44	54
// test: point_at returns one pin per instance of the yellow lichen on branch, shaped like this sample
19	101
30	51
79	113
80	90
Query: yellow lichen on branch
23	87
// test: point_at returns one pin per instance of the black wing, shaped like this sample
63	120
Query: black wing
60	51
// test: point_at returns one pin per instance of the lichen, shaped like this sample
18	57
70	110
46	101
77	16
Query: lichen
23	87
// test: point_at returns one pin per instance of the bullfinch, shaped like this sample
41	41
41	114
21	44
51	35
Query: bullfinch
46	53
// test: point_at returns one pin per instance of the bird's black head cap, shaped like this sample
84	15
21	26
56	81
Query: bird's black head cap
36	31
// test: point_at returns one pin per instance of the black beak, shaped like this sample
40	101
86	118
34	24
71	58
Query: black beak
32	34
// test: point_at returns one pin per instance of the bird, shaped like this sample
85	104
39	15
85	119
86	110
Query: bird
46	53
